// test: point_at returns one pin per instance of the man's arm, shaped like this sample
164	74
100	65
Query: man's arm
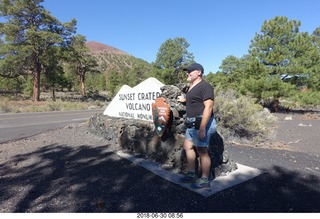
207	112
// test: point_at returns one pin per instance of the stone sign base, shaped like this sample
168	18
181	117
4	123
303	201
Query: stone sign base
139	141
138	138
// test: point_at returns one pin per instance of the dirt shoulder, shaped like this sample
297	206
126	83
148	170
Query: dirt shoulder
294	132
297	132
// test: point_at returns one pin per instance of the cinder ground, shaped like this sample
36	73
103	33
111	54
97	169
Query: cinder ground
299	132
294	132
72	170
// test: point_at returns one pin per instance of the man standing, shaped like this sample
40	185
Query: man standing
200	123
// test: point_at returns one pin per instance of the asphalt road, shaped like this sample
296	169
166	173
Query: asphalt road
20	125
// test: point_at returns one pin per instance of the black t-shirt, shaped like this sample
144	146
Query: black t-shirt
196	96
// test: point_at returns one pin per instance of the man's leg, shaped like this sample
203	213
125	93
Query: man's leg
191	155
190	176
205	161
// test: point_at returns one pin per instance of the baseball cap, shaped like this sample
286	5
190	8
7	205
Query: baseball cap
194	66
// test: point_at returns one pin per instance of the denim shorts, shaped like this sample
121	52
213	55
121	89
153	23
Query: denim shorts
193	135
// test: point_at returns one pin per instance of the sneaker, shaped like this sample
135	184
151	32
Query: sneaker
189	177
201	183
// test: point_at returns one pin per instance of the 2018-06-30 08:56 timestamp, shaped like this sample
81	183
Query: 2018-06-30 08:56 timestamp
159	215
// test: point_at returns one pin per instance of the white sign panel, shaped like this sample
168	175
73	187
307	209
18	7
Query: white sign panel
136	102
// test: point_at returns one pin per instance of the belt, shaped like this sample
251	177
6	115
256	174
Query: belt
191	119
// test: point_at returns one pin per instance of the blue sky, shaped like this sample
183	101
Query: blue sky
214	29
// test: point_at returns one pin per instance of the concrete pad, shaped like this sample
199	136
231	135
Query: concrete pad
242	174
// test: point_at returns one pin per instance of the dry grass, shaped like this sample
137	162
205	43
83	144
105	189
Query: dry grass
20	106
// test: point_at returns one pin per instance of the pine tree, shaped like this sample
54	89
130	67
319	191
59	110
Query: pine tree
79	57
286	53
171	58
29	32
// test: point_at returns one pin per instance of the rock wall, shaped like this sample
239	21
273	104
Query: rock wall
139	138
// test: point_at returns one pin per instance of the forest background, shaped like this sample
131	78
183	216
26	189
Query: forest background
44	62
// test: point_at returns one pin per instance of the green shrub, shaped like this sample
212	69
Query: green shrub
241	118
303	100
28	87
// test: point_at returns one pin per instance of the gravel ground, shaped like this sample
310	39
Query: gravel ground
72	170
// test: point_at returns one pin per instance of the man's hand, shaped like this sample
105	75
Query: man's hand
182	99
202	133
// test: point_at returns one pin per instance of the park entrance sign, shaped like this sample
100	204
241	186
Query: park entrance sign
136	102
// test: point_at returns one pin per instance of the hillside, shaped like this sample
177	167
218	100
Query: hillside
119	65
96	47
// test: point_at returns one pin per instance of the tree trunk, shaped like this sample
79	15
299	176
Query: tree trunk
36	86
276	104
36	78
53	93
53	88
81	85
81	71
